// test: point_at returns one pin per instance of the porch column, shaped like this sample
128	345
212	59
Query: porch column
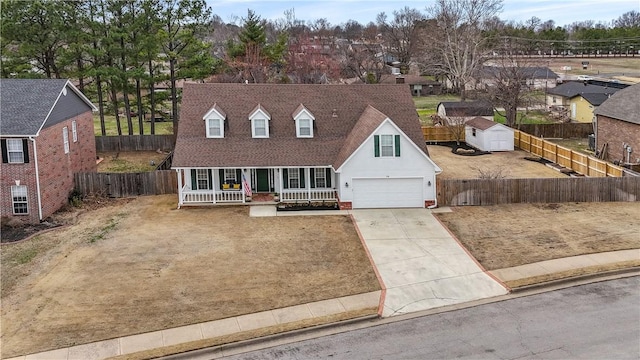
308	182
280	181
180	195
214	171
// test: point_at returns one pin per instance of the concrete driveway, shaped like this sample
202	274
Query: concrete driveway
421	264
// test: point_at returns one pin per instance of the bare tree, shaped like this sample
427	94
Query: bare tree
510	81
455	126
401	33
364	61
454	41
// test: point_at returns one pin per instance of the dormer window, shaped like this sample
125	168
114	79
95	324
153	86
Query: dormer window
259	122
304	122
214	122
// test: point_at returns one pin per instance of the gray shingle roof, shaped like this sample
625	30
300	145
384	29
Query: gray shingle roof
467	108
25	104
338	109
623	105
595	99
573	88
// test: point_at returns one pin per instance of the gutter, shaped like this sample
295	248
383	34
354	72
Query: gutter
35	160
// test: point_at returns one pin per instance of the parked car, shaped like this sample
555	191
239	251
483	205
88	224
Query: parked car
584	77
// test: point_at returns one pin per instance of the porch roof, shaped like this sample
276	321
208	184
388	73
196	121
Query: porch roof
336	108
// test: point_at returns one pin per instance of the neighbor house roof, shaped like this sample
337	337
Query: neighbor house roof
573	88
345	115
25	104
528	72
408	80
594	99
623	105
467	108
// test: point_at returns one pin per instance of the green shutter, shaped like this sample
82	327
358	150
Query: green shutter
221	177
238	176
302	183
328	175
312	174
285	178
210	174
397	143
376	145
194	183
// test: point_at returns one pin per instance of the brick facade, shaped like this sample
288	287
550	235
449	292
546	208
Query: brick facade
616	133
55	168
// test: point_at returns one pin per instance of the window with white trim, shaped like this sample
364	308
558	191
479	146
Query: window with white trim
15	152
215	128
304	127
320	175
294	178
74	131
65	139
202	179
386	145
230	176
19	199
259	127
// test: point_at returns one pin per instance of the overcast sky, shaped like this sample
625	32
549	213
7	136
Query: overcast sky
563	12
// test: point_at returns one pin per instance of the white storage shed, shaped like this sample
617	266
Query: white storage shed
487	135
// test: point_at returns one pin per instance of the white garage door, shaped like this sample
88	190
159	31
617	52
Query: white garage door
387	193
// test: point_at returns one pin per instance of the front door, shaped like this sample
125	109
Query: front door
263	180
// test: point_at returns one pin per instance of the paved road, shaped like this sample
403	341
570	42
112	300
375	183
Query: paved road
594	321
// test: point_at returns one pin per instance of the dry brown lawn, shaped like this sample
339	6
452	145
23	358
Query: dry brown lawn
141	265
503	236
129	161
510	164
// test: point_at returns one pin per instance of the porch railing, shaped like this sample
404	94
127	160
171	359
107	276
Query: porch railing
207	196
197	196
305	195
230	196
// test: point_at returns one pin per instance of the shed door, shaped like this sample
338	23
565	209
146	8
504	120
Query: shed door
388	193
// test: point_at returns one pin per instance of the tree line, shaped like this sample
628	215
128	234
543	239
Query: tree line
120	51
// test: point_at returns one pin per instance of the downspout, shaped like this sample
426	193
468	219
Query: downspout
35	160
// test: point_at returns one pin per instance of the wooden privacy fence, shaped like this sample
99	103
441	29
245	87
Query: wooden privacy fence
544	190
562	130
118	185
439	133
581	163
134	143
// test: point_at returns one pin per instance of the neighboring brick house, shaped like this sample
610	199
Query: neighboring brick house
618	126
46	135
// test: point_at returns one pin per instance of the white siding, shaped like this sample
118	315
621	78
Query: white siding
412	163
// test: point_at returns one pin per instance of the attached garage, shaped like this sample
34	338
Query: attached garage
388	193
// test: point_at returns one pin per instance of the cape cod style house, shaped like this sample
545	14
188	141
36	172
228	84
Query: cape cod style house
358	145
46	135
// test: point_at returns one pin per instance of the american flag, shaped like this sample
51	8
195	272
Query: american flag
245	184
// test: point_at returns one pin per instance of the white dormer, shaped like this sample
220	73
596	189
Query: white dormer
304	122
214	122
259	122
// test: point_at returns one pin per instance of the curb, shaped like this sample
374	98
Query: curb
565	281
226	347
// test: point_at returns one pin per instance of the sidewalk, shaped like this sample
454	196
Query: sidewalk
564	264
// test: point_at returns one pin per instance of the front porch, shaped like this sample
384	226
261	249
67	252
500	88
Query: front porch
205	186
